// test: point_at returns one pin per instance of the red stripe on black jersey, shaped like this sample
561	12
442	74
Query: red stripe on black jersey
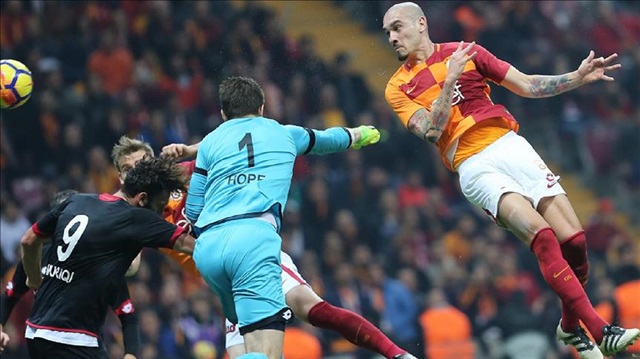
66	330
38	232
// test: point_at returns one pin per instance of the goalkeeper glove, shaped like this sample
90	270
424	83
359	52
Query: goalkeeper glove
364	136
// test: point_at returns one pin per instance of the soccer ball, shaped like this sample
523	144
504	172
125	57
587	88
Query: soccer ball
16	84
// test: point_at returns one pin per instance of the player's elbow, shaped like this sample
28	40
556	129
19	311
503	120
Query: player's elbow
29	239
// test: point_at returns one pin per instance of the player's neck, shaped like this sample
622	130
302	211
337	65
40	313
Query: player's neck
123	196
426	49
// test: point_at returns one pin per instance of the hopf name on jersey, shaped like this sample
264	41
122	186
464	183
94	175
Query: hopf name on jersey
56	272
244	178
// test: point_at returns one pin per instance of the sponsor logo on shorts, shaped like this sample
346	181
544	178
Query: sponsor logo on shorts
551	179
231	328
287	314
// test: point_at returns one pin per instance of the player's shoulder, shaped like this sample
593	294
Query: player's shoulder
80	199
400	77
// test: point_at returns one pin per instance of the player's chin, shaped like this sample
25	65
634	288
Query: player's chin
403	56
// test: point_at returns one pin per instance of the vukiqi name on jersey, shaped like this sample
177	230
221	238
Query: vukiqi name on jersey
56	272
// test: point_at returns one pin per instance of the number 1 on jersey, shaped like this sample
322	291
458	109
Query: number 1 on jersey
247	141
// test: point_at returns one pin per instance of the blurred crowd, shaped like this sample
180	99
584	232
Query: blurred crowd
385	231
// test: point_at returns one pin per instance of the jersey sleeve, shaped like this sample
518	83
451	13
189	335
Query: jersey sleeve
150	230
401	104
318	142
489	65
195	194
121	301
197	184
46	226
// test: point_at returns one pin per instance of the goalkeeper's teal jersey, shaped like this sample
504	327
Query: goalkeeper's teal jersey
245	167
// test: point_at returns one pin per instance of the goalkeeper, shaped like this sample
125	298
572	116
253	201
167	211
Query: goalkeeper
236	199
306	304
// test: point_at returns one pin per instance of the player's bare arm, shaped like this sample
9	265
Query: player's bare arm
539	86
180	150
429	125
31	257
4	339
185	244
135	266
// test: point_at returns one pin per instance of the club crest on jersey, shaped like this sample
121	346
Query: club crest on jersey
457	95
177	195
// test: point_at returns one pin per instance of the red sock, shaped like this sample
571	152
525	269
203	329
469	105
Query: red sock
574	251
352	327
561	278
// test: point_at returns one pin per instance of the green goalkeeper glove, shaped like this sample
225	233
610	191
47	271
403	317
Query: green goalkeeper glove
364	136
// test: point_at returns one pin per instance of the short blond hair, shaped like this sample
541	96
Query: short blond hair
127	146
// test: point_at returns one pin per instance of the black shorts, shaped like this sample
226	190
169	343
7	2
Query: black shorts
45	349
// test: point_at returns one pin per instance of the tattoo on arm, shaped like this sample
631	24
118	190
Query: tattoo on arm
430	125
547	86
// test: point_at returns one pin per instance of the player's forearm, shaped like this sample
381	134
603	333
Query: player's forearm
430	125
130	333
185	244
335	139
540	86
31	258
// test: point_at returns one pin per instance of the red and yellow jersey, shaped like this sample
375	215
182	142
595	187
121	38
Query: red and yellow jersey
475	121
174	213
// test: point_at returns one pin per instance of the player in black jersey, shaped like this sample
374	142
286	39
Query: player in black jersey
120	303
94	239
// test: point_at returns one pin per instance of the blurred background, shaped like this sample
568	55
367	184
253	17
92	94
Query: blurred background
385	231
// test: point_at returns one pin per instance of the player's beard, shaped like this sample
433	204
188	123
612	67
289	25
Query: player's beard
402	56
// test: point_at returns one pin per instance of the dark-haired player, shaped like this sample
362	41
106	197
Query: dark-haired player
120	302
94	239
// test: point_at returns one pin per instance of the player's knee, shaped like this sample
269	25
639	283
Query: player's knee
274	322
576	241
253	356
301	299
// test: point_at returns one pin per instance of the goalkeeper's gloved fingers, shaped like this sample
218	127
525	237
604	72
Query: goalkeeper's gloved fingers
369	135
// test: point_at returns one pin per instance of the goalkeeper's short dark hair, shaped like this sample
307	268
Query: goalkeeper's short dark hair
61	197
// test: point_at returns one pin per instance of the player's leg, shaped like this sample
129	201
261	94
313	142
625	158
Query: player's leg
518	214
559	213
309	307
234	342
497	179
255	274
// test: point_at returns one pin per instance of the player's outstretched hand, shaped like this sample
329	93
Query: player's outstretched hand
459	59
178	151
364	136
592	69
4	340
